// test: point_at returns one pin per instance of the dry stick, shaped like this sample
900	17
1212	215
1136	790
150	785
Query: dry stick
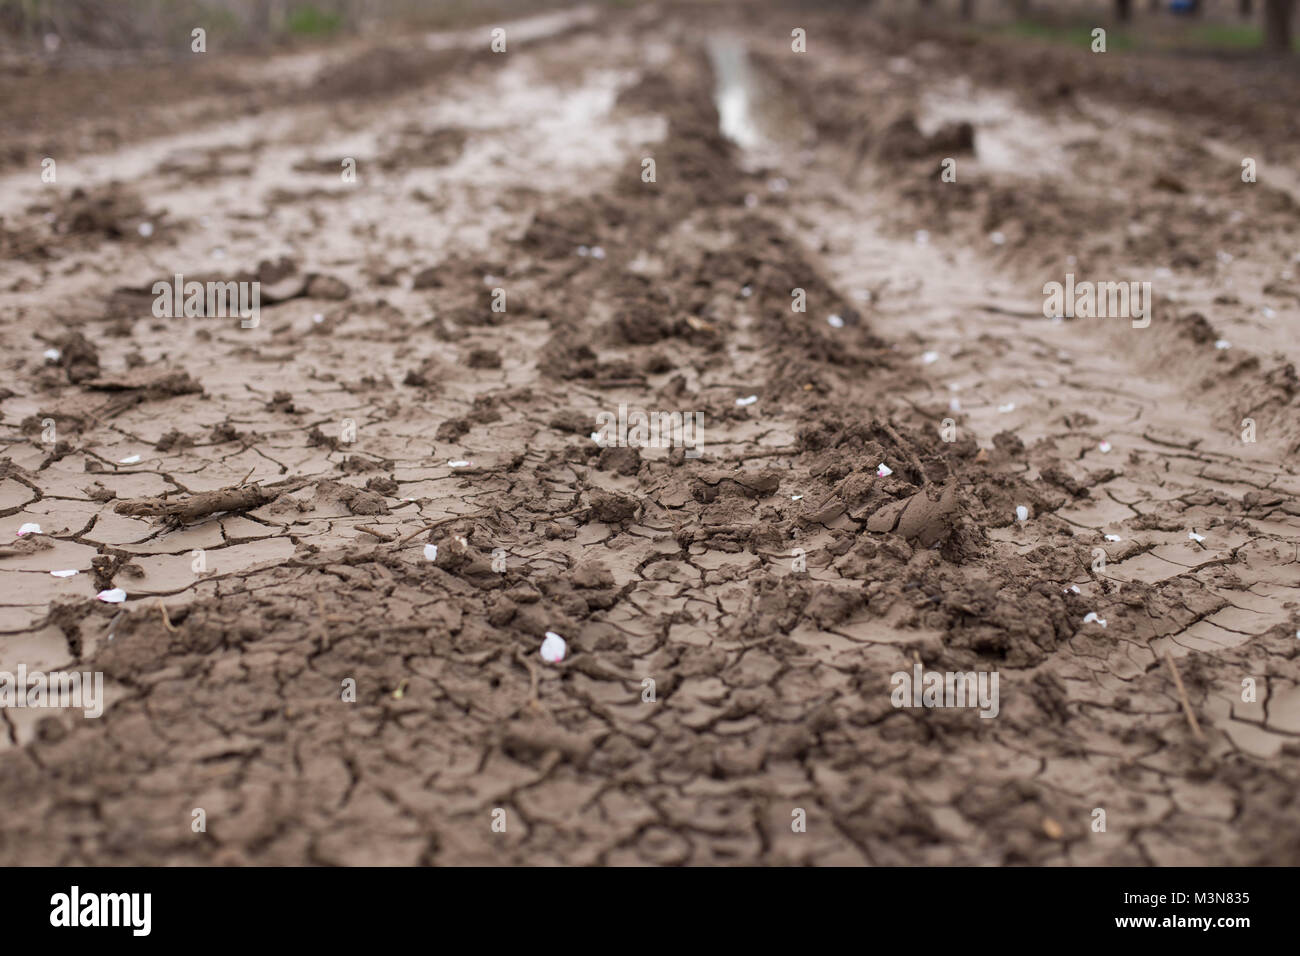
206	503
906	450
440	522
167	621
534	701
376	533
1182	693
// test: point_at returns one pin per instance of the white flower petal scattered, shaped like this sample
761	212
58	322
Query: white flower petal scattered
53	354
1022	513
113	596
883	470
129	460
431	552
554	648
742	402
922	236
146	229
1008	407
456	463
1072	589
1092	616
64	574
1198	538
835	322
998	238
30	527
796	497
1222	344
929	358
1104	447
1113	537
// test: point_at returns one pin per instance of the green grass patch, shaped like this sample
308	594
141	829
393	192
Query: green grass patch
311	21
1076	35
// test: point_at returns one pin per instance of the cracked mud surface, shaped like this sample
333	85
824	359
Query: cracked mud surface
479	172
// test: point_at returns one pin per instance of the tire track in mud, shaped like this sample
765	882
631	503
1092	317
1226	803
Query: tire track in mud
771	684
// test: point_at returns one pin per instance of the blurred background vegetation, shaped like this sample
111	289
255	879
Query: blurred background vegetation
1230	26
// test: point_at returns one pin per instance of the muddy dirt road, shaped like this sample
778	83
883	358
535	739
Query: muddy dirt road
337	660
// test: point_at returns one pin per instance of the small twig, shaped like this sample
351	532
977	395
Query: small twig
534	698
440	522
382	536
1182	693
906	449
167	621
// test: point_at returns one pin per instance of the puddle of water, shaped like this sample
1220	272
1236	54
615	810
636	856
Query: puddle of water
1002	129
522	30
734	93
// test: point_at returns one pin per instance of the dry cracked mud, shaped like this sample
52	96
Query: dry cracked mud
265	496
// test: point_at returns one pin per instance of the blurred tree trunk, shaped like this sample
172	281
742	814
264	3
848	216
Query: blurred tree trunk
1124	9
1277	25
1246	8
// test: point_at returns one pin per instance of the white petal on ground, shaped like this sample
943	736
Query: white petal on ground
553	648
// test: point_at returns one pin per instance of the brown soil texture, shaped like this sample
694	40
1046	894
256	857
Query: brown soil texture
437	341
